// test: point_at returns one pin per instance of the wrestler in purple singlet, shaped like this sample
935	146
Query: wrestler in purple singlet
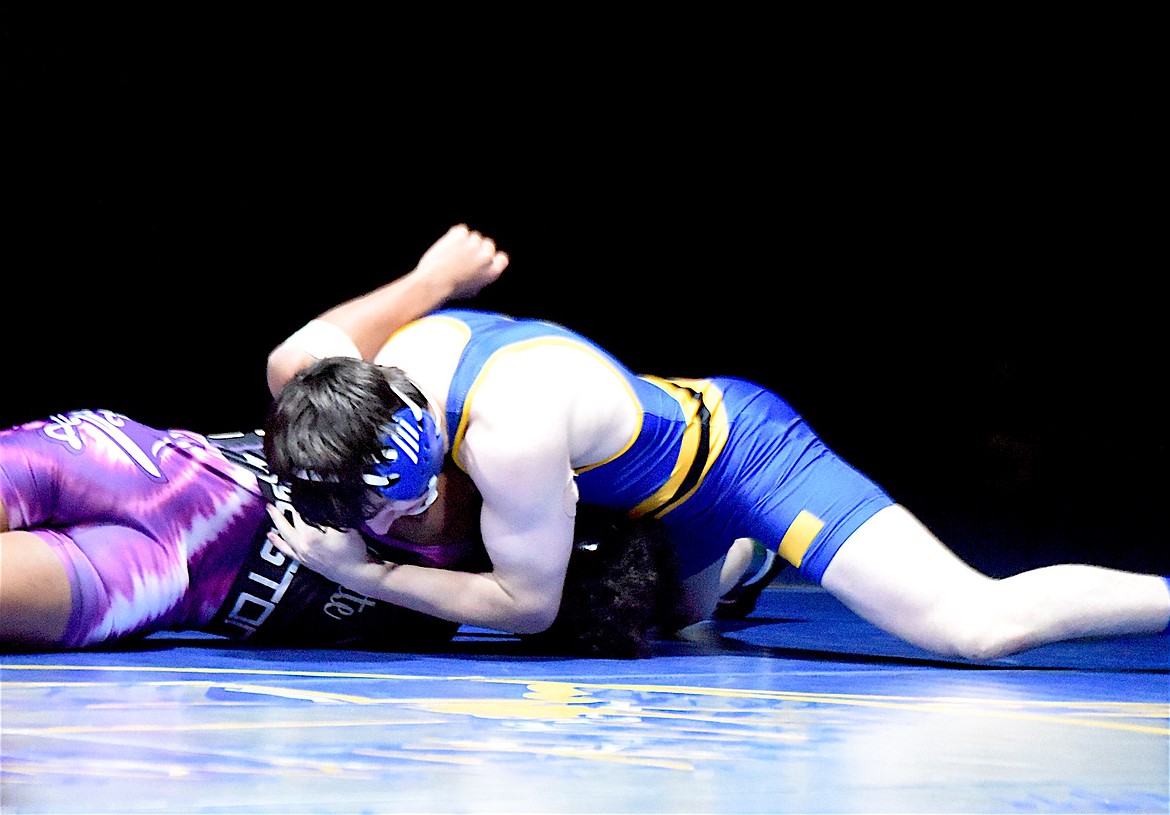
166	530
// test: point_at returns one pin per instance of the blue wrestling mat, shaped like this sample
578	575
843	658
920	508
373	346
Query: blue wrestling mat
800	708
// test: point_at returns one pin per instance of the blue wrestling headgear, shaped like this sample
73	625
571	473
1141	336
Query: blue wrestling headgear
411	456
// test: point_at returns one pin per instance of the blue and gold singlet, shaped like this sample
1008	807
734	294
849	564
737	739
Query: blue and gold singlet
715	459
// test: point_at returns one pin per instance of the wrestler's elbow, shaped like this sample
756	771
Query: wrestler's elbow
533	615
283	364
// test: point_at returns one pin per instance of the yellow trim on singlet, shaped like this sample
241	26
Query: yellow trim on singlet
430	320
799	537
427	323
522	345
682	391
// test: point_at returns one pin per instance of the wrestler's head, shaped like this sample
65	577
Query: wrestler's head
356	444
622	589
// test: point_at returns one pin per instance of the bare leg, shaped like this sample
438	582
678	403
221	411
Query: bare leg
35	597
739	557
897	575
700	593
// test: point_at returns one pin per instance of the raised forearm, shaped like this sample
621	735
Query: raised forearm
358	327
370	319
458	265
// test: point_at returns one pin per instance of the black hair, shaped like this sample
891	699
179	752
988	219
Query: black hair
622	590
621	593
324	428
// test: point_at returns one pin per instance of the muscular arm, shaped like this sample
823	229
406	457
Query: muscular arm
457	265
529	503
520	595
516	450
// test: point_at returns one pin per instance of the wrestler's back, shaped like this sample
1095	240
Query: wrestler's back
552	379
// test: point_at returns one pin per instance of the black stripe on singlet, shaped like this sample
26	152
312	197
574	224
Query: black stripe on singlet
702	453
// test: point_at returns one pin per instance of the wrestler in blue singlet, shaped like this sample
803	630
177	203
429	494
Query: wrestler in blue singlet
715	459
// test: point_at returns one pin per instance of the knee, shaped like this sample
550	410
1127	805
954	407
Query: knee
976	628
987	643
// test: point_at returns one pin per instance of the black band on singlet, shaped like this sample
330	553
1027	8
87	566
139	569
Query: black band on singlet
695	470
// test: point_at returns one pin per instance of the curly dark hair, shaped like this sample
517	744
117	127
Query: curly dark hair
621	592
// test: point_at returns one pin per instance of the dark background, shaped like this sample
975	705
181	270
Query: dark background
941	249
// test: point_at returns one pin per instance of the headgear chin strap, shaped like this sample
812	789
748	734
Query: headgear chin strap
407	467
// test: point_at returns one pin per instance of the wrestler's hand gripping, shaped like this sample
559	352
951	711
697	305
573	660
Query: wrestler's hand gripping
335	555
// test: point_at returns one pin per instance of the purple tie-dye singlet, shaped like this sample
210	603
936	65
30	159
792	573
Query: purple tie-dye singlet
151	525
166	530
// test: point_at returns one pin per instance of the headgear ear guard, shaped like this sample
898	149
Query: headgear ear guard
407	467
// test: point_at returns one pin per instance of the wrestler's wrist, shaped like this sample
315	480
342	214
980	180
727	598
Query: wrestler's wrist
437	285
374	572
